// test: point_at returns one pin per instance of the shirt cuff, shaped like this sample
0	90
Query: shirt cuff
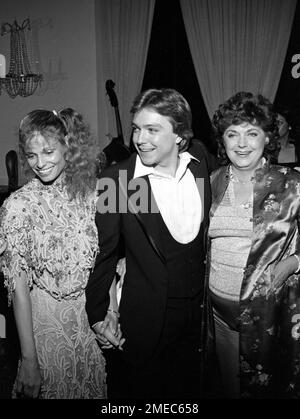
98	323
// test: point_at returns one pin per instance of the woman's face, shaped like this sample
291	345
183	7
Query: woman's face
45	157
283	126
244	145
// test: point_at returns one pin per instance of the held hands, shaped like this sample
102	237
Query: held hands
282	271
108	332
29	379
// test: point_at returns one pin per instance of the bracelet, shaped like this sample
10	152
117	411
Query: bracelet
114	311
298	260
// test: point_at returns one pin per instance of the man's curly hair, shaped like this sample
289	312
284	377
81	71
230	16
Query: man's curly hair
69	128
253	109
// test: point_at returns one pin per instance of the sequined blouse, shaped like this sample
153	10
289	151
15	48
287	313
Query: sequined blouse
268	319
230	231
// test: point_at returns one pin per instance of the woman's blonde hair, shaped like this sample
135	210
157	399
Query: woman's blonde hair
69	128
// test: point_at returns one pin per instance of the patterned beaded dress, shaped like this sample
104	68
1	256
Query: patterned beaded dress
54	242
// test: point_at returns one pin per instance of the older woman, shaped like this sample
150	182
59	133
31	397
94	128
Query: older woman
254	254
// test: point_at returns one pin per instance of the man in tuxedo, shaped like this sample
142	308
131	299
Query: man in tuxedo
160	310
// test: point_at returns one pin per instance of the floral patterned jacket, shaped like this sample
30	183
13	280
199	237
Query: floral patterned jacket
269	323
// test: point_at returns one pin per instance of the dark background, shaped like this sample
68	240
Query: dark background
169	64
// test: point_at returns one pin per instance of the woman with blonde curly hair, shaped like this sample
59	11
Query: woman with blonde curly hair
52	242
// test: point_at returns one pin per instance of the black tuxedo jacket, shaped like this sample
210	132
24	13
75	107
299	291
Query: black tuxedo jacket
144	293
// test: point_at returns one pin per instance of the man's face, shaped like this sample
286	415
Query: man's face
155	140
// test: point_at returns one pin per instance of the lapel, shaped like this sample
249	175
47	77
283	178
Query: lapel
149	220
219	184
200	173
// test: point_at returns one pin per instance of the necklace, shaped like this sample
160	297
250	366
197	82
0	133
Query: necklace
236	200
235	179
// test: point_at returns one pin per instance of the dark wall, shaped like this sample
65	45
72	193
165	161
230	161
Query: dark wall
169	63
289	87
288	93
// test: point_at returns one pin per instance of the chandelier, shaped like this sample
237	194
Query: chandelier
19	80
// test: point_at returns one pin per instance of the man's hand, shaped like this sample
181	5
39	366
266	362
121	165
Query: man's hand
109	333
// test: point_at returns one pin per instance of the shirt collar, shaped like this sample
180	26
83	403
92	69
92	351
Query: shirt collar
142	170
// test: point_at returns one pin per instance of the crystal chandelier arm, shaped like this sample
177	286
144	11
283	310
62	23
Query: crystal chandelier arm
26	24
20	80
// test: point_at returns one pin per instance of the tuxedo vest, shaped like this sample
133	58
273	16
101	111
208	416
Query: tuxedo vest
184	263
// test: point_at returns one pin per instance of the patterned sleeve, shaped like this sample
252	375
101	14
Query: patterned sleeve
16	228
2	241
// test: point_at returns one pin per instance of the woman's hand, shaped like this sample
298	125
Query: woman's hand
282	271
29	379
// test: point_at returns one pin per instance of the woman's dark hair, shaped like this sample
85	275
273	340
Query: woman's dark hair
68	127
253	109
285	112
169	103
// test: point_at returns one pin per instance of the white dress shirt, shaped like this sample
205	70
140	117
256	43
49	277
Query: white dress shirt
177	198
